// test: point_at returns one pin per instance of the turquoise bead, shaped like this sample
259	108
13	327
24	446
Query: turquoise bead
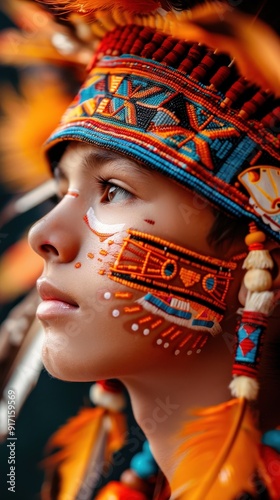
272	439
146	448
143	465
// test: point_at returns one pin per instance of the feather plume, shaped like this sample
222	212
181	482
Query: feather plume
89	6
87	443
214	464
251	43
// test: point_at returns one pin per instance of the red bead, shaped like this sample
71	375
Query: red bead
200	71
110	385
118	491
272	464
220	76
195	53
272	120
179	52
236	89
250	107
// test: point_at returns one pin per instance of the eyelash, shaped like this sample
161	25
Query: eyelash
105	185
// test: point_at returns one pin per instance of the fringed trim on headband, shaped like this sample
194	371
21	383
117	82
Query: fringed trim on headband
197	62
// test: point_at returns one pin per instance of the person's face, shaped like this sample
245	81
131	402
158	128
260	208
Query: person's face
108	295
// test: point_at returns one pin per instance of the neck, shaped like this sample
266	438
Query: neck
161	399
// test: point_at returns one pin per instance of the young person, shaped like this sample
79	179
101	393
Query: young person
162	161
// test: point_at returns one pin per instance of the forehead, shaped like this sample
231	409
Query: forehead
88	157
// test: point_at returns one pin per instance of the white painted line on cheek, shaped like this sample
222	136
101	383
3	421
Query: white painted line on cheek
100	227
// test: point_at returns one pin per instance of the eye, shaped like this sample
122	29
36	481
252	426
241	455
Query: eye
114	194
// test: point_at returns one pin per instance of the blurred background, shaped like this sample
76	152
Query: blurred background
32	98
38	80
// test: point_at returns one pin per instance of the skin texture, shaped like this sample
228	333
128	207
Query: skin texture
85	341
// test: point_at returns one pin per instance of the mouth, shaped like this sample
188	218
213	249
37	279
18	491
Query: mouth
55	302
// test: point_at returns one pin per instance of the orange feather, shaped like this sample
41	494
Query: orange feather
221	454
89	6
252	43
90	437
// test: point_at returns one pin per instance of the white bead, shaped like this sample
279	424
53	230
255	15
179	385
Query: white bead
107	295
115	313
134	327
159	341
257	280
165	345
146	331
106	399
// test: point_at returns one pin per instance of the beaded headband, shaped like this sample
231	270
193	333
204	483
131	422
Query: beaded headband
181	109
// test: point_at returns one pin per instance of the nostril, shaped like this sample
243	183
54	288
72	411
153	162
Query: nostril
48	248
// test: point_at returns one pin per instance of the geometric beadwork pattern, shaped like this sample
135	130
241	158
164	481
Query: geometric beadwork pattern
248	339
171	122
166	336
184	287
249	343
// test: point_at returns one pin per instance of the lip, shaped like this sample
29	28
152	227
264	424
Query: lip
54	301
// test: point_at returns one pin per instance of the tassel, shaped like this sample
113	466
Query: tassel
259	303
262	302
87	443
258	257
244	387
215	444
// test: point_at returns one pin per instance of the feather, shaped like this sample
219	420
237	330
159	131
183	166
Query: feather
251	43
87	443
221	454
89	6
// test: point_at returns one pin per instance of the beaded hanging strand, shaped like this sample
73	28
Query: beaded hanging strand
259	302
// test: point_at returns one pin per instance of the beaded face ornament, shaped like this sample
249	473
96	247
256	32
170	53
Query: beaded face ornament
183	290
184	287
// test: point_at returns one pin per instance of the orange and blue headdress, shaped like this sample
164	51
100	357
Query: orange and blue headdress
180	108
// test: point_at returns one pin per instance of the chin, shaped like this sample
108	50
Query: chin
71	367
59	365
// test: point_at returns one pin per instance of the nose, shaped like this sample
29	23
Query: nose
55	237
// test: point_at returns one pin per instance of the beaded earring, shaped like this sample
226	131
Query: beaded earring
259	302
216	441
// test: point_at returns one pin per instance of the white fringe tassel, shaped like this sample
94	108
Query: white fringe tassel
262	302
244	387
258	259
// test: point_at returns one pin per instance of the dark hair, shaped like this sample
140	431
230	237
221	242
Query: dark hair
225	230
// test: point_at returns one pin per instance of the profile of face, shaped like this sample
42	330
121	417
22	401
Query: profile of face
129	277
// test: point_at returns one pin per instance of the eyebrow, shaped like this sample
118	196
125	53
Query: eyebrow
97	158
